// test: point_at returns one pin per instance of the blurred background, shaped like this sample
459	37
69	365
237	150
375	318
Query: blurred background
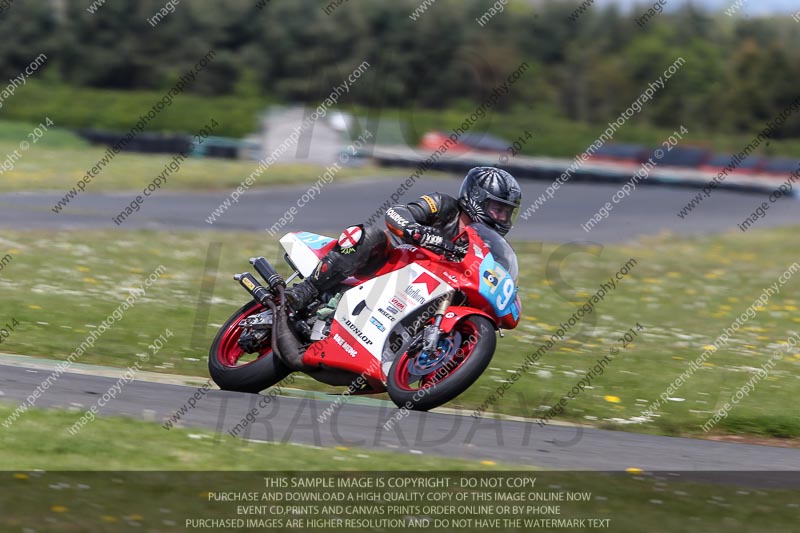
104	68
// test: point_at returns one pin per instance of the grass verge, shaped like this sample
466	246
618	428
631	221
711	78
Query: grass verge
40	440
60	160
552	135
53	482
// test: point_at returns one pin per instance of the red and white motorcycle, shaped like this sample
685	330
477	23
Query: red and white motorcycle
422	327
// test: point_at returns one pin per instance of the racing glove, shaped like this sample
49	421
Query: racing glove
427	237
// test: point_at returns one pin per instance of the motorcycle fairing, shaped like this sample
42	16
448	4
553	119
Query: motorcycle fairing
498	288
305	249
367	315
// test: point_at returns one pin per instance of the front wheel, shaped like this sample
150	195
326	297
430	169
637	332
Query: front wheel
422	381
232	368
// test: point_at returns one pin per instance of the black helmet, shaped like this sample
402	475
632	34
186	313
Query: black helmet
492	196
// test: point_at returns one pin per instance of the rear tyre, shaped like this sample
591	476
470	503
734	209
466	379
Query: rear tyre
463	355
232	369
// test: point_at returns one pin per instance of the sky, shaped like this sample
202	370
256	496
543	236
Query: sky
749	7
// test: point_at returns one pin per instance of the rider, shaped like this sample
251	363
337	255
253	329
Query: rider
488	195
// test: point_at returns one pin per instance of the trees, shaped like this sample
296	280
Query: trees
738	73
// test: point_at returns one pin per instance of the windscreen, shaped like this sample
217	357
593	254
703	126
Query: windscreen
502	251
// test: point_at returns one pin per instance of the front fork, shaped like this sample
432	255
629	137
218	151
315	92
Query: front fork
431	334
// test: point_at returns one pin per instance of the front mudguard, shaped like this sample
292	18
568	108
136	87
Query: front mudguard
456	312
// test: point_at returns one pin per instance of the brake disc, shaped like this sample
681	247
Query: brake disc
261	320
425	364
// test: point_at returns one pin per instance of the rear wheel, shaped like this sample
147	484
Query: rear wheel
421	381
232	368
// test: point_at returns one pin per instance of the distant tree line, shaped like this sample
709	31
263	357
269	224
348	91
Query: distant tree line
738	73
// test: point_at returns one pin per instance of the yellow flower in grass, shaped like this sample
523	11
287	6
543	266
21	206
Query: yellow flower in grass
20	475
710	347
59	509
90	280
84	269
612	399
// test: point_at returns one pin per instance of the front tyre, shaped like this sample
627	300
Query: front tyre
421	382
234	370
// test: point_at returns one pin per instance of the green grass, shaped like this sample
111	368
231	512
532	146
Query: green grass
684	291
60	159
95	482
159	501
560	137
40	440
78	107
73	107
12	133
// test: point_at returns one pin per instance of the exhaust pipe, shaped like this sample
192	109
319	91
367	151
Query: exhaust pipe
270	275
285	345
254	287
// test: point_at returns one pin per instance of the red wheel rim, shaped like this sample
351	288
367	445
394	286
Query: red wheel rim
229	352
469	339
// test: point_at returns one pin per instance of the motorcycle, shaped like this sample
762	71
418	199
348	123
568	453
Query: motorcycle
421	327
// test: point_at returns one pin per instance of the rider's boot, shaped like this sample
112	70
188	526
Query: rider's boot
300	295
356	248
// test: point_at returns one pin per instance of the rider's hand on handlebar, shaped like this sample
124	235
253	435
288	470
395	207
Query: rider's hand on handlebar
425	236
432	239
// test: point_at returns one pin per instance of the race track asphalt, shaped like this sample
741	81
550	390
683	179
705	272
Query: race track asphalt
649	210
360	423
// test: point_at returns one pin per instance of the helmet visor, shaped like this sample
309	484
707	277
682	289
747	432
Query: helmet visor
503	214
